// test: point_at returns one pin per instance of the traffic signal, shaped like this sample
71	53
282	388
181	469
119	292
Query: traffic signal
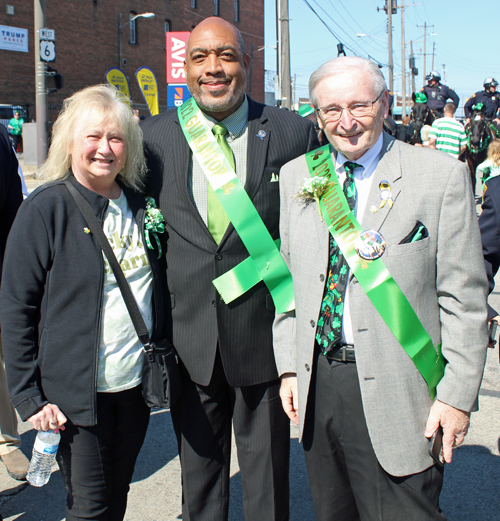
55	81
394	6
414	70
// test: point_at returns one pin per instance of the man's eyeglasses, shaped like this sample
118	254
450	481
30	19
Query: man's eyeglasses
358	110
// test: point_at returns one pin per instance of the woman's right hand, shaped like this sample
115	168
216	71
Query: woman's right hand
49	417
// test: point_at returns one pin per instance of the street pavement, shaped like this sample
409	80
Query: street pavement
470	493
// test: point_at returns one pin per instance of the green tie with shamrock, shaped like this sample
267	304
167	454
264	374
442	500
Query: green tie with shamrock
329	330
217	219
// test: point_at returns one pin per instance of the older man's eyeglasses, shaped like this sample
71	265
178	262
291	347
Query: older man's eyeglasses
358	110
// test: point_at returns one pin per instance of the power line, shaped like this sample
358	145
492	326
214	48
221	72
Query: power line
356	44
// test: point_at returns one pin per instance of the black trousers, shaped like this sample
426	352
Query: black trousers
17	140
347	481
97	462
202	420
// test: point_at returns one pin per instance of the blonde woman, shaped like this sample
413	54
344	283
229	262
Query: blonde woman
73	358
491	167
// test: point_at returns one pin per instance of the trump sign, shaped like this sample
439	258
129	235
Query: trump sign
176	54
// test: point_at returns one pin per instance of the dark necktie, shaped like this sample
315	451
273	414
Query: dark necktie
329	331
217	219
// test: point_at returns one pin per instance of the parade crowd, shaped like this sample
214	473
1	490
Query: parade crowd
308	268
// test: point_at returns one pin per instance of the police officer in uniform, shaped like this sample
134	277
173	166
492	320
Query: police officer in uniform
490	98
438	94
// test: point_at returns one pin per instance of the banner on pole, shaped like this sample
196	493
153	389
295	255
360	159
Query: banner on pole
117	77
149	87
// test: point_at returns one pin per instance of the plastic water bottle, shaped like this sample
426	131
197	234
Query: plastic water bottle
44	455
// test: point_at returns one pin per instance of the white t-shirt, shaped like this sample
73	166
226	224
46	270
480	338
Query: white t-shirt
120	359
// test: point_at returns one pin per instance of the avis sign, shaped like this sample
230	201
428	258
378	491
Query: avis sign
176	54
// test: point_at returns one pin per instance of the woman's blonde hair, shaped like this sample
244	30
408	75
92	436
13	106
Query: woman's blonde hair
111	105
494	152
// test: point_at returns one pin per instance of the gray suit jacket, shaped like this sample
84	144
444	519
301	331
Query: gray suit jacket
442	276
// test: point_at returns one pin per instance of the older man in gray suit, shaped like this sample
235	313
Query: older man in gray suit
398	320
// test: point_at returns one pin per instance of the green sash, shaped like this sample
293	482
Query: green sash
373	276
265	262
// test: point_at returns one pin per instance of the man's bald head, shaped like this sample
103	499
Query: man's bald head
213	21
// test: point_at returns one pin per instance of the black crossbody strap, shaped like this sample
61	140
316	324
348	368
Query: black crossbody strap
128	297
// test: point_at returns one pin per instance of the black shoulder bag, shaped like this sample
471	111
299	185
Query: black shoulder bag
161	382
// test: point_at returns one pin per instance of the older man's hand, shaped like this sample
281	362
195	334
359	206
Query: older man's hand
289	393
455	425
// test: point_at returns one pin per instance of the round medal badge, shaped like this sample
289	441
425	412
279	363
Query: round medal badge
370	245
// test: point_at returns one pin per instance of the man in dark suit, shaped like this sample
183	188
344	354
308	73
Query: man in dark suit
489	224
226	351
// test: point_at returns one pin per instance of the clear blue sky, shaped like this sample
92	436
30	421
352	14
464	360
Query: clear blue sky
467	38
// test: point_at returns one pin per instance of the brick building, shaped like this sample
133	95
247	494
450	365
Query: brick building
87	42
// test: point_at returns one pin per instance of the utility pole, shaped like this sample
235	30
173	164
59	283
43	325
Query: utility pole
403	59
40	87
444	73
425	50
389	43
277	87
433	53
389	5
286	88
294	90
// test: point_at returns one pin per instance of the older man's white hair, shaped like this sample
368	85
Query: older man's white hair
344	64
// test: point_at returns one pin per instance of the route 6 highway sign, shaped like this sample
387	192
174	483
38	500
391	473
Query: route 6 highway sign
47	51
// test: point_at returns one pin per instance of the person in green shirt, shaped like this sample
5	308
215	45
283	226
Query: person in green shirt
16	130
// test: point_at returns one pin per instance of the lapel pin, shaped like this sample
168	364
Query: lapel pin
373	209
261	134
86	230
385	194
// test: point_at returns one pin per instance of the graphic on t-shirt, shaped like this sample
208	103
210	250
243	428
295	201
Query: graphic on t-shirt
120	352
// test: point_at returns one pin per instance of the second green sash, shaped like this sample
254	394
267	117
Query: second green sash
373	276
265	261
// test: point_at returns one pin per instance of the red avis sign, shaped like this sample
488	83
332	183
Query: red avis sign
176	54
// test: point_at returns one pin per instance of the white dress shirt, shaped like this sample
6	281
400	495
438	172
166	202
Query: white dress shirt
363	176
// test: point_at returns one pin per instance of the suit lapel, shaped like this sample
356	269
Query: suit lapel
256	155
257	145
181	157
388	169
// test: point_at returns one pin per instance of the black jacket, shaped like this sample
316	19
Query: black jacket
489	224
491	102
51	301
200	321
438	95
11	194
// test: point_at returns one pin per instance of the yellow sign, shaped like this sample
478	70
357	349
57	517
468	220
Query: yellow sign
117	78
149	88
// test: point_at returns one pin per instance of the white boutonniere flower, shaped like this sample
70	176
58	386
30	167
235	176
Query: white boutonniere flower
313	189
154	223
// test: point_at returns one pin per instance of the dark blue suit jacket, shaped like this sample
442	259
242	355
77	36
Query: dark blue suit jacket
199	319
489	224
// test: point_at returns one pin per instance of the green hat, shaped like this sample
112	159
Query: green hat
420	97
478	106
305	110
